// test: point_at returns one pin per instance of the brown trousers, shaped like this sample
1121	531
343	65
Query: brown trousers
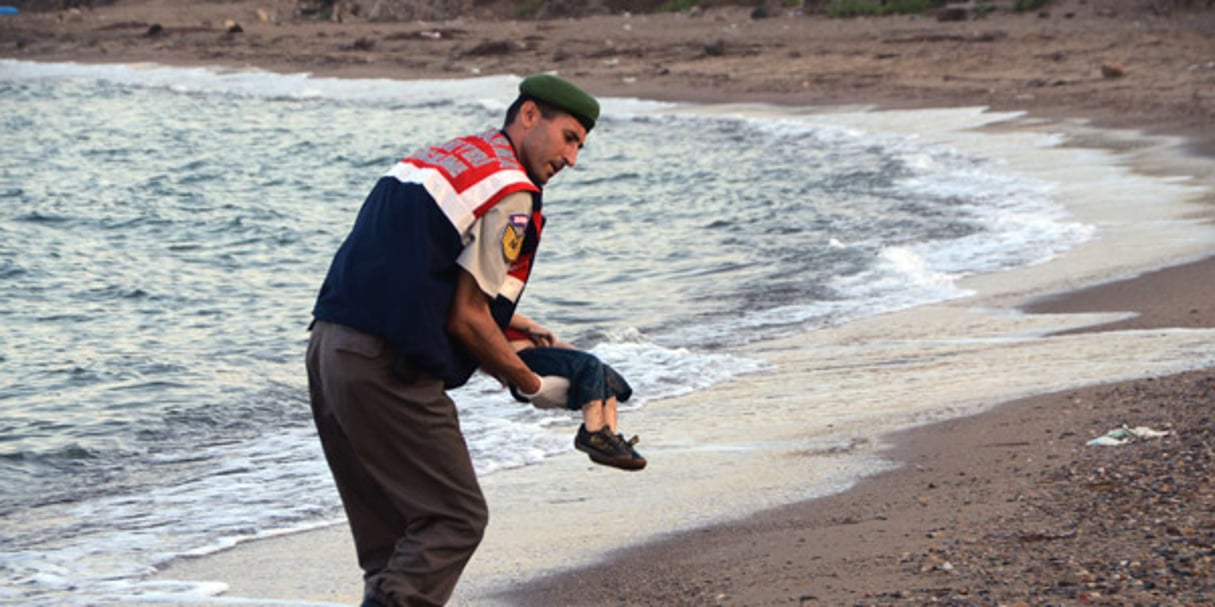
400	464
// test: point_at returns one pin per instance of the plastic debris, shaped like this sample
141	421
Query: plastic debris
1124	435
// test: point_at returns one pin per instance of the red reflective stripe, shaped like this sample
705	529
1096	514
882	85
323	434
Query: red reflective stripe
502	193
467	176
516	335
466	163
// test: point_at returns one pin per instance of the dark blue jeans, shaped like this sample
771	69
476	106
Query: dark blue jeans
590	378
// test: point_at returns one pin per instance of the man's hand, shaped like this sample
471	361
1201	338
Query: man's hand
553	392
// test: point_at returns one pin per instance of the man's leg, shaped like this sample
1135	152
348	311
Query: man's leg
401	465
374	523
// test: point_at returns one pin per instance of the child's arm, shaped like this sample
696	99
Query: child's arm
539	334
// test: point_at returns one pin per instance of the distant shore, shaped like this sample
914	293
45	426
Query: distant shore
1119	62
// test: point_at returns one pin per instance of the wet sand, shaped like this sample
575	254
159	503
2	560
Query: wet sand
1009	507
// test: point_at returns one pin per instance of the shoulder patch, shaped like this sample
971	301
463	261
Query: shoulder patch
512	236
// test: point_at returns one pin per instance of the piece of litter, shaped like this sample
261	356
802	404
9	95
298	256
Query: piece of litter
1146	432
1124	435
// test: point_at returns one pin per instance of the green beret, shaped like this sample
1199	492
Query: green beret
563	94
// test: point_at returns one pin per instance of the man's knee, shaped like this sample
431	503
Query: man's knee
472	526
457	531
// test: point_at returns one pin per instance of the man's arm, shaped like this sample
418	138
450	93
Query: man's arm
471	323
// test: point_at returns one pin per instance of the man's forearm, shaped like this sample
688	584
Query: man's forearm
469	321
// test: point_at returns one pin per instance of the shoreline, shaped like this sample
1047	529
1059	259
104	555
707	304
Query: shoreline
978	497
519	546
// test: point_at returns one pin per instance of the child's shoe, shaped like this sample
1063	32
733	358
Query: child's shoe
608	449
629	443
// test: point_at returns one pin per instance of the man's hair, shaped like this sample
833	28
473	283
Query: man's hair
547	110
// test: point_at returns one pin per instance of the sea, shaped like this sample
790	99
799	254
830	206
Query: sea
163	233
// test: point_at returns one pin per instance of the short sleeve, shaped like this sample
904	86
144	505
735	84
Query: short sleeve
496	240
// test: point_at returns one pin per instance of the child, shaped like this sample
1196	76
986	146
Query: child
595	389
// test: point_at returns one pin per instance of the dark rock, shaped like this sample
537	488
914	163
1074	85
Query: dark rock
956	12
491	47
416	10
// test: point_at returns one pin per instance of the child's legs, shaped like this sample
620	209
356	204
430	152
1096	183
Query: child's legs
594	386
600	413
609	413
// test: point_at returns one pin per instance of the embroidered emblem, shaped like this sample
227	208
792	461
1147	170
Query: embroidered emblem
512	236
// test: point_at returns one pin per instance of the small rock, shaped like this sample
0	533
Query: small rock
71	15
232	27
955	12
154	30
491	47
1113	69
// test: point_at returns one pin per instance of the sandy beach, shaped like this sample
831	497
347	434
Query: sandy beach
1001	502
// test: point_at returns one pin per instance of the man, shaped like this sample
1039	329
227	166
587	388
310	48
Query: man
416	299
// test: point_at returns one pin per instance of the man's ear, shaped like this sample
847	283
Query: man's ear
529	114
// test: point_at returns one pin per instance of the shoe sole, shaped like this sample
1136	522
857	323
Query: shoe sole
623	463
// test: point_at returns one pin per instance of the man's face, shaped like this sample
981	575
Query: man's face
548	144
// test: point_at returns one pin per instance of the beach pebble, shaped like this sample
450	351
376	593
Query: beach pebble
1113	69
